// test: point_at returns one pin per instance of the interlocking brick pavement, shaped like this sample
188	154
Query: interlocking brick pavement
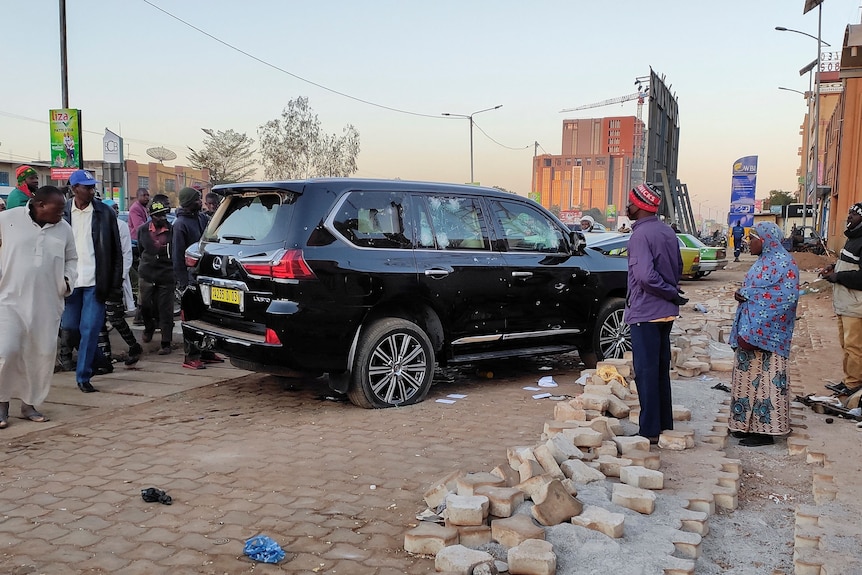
335	485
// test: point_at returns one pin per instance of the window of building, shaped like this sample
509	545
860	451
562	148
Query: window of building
170	185
4	178
143	182
547	162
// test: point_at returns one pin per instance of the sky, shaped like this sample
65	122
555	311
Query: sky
157	81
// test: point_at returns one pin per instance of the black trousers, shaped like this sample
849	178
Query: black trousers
157	306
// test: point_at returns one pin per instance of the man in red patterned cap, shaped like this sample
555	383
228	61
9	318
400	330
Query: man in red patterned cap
28	183
652	303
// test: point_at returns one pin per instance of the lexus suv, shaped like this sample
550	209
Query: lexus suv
374	282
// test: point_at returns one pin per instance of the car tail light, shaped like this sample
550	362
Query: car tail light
697	259
192	260
272	337
291	266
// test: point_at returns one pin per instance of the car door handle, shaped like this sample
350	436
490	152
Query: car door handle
522	274
437	273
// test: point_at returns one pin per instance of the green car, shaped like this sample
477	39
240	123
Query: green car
711	258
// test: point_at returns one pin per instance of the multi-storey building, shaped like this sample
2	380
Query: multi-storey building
594	169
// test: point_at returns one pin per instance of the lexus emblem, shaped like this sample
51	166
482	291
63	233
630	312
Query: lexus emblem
216	263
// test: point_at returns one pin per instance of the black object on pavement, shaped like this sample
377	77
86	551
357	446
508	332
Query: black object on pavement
152	495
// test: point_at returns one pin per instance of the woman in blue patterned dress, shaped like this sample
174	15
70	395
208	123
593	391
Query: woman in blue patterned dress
761	335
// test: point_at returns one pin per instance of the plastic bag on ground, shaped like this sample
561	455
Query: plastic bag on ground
263	549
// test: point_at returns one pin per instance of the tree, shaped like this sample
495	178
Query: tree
227	156
293	146
780	198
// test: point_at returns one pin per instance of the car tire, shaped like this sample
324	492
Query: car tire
612	336
394	365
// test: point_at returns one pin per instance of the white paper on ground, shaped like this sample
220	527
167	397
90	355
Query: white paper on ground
531	388
537	396
445	401
583	379
457	395
545	368
547	381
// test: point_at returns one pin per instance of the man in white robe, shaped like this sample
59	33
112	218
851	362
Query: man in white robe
38	269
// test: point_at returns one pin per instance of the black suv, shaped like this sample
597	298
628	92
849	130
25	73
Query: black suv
375	281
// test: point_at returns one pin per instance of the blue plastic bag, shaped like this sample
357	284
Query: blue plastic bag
263	549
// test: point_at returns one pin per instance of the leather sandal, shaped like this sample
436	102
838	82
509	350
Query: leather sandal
29	412
4	414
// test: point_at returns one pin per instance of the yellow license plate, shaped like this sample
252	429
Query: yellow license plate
226	295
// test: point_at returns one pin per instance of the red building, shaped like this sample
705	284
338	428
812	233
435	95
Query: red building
595	167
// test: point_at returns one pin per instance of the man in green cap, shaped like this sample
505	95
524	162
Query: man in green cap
28	183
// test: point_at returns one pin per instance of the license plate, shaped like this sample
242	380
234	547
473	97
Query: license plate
231	296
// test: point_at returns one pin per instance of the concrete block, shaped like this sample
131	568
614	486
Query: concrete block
595	381
509	476
694	522
470	481
502	501
532	557
617	407
473	536
584	436
533	486
429	538
721	365
681	413
598	389
555	505
620	390
436	494
601	520
676	440
631	443
564	411
514	530
562	448
686	544
638	476
570	486
580	472
466	509
678	566
634	498
593	401
547	461
608	448
517	455
603	426
530	468
552	428
610	466
461	560
614	425
623	366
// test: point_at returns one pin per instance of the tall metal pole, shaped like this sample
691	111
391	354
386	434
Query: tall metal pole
472	180
816	169
64	70
809	177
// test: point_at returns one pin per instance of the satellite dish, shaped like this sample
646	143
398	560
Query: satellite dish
161	154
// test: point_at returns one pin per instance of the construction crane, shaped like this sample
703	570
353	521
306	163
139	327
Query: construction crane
640	96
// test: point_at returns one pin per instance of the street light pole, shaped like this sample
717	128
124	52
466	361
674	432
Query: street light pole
470	118
816	122
807	147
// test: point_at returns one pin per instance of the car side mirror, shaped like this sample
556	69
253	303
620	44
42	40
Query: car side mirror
577	241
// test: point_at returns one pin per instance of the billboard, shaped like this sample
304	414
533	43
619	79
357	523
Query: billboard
662	139
742	188
66	157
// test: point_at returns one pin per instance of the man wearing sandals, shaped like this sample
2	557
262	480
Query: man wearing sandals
38	269
846	277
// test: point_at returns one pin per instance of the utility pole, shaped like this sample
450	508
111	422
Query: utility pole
64	69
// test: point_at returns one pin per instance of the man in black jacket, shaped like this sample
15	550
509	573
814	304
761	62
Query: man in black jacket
100	272
188	229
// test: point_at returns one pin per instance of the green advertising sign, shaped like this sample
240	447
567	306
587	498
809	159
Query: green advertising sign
66	138
611	211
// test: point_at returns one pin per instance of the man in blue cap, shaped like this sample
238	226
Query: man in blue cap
100	272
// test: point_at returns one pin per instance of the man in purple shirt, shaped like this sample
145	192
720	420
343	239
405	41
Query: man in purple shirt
138	211
655	266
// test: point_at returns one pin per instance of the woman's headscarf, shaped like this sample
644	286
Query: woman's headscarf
772	289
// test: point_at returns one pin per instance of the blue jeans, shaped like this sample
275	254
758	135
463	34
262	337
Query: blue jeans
651	354
86	315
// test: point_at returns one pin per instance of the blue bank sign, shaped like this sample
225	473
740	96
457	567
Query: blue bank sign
742	189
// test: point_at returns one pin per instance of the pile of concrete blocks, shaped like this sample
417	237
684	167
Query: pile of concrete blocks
699	340
582	444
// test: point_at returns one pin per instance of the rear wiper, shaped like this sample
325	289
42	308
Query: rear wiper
237	239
